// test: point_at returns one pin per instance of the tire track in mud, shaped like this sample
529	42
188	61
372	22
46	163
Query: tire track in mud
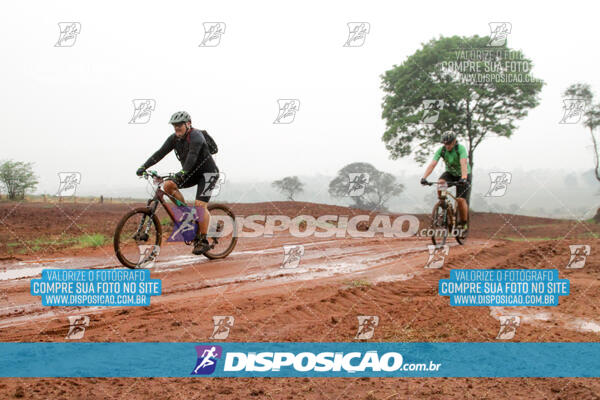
367	259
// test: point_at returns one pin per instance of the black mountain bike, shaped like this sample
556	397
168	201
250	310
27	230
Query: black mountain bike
141	226
445	216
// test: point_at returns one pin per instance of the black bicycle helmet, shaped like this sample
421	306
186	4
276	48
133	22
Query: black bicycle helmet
448	137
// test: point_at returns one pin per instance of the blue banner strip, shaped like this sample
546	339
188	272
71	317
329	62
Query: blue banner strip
297	359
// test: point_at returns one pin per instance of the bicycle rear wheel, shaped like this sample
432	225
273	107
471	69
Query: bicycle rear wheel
222	231
138	227
439	224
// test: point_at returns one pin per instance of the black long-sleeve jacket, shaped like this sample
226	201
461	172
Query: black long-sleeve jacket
191	150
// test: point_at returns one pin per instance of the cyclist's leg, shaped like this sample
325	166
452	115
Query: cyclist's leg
445	177
202	199
171	188
463	192
205	220
201	244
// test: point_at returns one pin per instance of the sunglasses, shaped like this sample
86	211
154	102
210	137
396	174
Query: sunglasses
178	125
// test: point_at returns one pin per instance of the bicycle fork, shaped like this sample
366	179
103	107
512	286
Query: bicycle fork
143	236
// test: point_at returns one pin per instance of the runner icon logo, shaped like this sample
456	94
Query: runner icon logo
499	32
212	183
574	109
437	255
508	327
68	34
68	183
222	326
499	182
207	359
212	34
77	325
579	253
292	255
186	224
357	34
431	111
148	254
366	326
142	110
357	183
287	111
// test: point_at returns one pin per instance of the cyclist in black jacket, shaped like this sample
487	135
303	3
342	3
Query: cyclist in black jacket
193	153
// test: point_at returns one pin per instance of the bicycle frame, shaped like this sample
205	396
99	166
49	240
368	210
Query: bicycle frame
445	202
444	197
153	203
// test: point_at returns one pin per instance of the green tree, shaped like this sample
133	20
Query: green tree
375	187
591	120
591	114
290	185
17	177
443	69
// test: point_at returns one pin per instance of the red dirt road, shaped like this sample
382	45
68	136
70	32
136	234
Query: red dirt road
337	280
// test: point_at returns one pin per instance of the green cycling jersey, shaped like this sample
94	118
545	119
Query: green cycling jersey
452	158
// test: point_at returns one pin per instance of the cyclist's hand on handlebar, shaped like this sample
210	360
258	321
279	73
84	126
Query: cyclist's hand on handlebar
140	171
179	178
462	181
423	181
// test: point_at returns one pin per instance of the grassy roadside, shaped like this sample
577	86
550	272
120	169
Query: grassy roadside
585	235
45	243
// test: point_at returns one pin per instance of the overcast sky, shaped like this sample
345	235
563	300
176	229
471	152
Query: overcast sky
68	108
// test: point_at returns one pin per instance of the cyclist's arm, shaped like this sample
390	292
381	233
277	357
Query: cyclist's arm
196	143
166	148
462	152
433	163
430	168
463	168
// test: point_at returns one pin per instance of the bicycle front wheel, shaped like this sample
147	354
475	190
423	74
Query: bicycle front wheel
439	224
137	228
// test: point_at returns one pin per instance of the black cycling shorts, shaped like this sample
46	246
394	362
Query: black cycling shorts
462	191
205	188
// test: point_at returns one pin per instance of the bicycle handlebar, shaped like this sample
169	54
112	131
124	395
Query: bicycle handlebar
450	184
154	174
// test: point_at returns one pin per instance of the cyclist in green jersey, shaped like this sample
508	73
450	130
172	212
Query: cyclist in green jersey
457	170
